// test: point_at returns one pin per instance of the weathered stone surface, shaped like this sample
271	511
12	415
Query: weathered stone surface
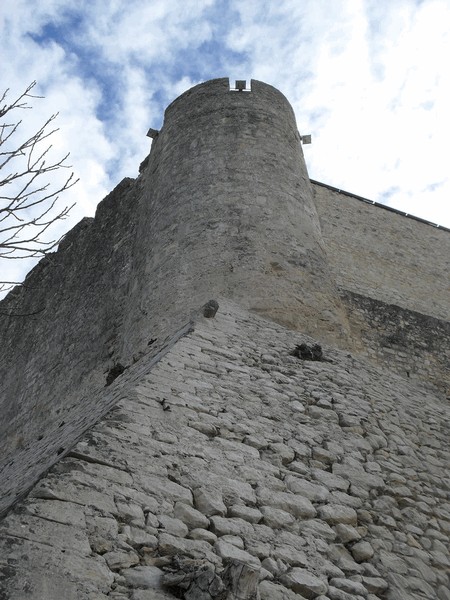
316	527
312	491
362	551
348	585
173	526
66	513
334	593
140	537
203	534
290	555
252	515
341	557
303	582
166	489
197	549
62	536
168	463
276	518
190	516
209	502
443	593
273	591
335	513
292	503
375	585
346	533
121	560
330	481
232	526
230	552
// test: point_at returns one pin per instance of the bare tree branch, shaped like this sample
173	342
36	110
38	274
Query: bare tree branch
29	201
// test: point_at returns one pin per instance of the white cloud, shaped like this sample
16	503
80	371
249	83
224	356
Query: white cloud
374	96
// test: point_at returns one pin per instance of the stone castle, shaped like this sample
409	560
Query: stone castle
231	384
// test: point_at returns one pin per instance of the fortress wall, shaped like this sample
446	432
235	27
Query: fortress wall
58	337
386	256
326	478
414	345
223	207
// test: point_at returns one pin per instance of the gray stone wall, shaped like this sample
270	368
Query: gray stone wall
325	480
223	206
226	208
58	336
386	256
414	345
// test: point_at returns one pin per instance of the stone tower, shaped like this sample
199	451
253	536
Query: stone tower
227	209
292	445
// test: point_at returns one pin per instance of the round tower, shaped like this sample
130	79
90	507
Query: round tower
226	209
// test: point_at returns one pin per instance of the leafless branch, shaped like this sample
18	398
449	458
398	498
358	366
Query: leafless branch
29	200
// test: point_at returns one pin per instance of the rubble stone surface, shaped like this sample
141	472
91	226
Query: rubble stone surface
360	512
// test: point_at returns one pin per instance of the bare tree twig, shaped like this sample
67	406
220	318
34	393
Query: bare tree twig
29	202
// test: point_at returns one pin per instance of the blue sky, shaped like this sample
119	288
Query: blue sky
367	78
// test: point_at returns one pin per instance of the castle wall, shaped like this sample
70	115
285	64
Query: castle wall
394	274
414	345
326	478
223	206
58	336
386	256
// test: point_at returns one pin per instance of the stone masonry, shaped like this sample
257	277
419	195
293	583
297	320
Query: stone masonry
327	478
232	384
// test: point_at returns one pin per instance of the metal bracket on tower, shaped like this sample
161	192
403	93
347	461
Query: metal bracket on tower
305	139
152	133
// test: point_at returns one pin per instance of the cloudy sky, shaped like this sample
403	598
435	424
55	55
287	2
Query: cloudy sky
369	79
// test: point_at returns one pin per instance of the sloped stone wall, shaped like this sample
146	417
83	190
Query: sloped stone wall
325	478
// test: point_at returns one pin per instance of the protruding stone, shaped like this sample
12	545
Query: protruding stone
376	585
289	555
336	513
121	560
274	591
317	528
276	518
173	526
308	489
303	582
347	533
230	552
190	516
203	534
210	309
295	504
222	526
252	515
348	585
209	502
362	551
